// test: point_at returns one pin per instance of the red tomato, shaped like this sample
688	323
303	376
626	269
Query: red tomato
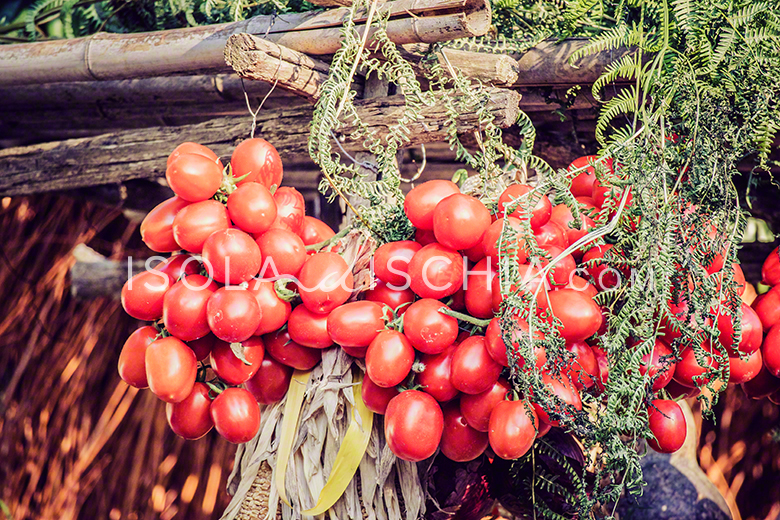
325	282
742	371
577	283
143	294
313	231
275	311
561	214
197	149
529	282
603	362
513	426
436	271
157	226
477	408
604	276
770	271
376	397
283	252
667	424
184	307
356	324
739	278
194	177
473	370
290	209
256	160
479	289
603	192
424	236
171	368
582	183
236	415
768	308
562	388
436	378
233	314
490	241
202	346
752	331
179	265
494	341
563	271
232	370
678	391
662	363
689	368
271	381
391	262
762	385
231	256
427	329
398	301
389	358
770	351
190	419
583	369
308	328
459	441
194	223
356	352
413	425
459	221
580	315
540	213
132	359
283	349
475	253
552	234
252	208
421	201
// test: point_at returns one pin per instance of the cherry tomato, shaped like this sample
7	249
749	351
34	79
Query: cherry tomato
583	369
603	192
194	177
564	269
459	441
179	265
552	234
739	278
475	253
513	426
582	183
605	277
678	391
689	368
752	331
398	301
742	371
356	352
479	290
196	222
424	236
157	226
309	329
313	231
271	381
662	363
283	252
252	208
283	349
389	358
413	425
132	359
202	346
256	160
190	419
473	370
421	201
667	424
540	213
275	311
436	271
236	415
233	314
143	294
391	262
580	315
231	256
427	329
356	324
477	408
562	388
770	271
762	385
770	351
290	209
603	362
577	283
197	149
529	282
232	370
184	307
171	368
459	221
561	214
768	308
494	341
436	377
491	241
325	282
376	397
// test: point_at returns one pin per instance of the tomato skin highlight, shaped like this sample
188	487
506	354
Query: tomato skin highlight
252	208
157	226
184	307
271	381
191	418
391	262
512	430
477	408
196	222
376	397
429	330
275	311
283	252
236	415
436	377
421	201
356	324
436	271
309	329
414	424
258	161
231	369
233	314
132	359
313	231
325	282
231	256
460	221
282	348
473	370
459	441
667	423
194	177
171	368
389	358
143	295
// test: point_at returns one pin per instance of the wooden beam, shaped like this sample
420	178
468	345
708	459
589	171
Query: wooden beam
136	154
102	278
493	69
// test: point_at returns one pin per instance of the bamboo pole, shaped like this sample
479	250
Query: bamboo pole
194	50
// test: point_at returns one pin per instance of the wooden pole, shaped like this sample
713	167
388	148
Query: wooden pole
493	69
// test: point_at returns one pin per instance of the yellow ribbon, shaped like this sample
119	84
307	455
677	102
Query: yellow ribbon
292	410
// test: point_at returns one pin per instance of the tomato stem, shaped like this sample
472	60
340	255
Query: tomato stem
465	317
282	292
325	243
